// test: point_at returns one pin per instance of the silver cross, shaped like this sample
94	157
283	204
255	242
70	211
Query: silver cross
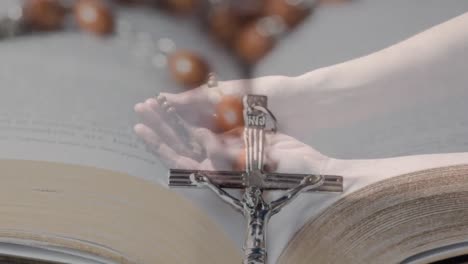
254	181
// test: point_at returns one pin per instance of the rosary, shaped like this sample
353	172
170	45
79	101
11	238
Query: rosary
190	70
249	29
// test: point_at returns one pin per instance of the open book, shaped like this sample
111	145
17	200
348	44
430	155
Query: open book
77	186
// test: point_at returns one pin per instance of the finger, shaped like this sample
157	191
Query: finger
221	155
168	156
195	96
212	95
180	127
168	113
179	99
193	107
154	121
159	103
162	110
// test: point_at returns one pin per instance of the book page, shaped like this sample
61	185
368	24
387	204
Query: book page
417	217
105	214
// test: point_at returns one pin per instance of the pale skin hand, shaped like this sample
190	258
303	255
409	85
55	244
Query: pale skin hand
283	153
416	68
287	153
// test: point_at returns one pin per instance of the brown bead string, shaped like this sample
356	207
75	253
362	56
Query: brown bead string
248	28
237	24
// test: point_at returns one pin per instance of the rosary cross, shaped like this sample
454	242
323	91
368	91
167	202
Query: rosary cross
254	181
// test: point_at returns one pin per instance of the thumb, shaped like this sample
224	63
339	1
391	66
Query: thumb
202	94
210	95
175	99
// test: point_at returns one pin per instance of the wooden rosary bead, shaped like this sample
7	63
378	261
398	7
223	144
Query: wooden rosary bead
187	68
224	24
252	45
229	113
182	6
291	13
44	14
94	16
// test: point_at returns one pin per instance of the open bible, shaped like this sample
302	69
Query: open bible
77	186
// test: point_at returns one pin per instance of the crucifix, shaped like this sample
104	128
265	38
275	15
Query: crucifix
254	181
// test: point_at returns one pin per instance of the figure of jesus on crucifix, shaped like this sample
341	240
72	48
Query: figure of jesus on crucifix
256	210
254	180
